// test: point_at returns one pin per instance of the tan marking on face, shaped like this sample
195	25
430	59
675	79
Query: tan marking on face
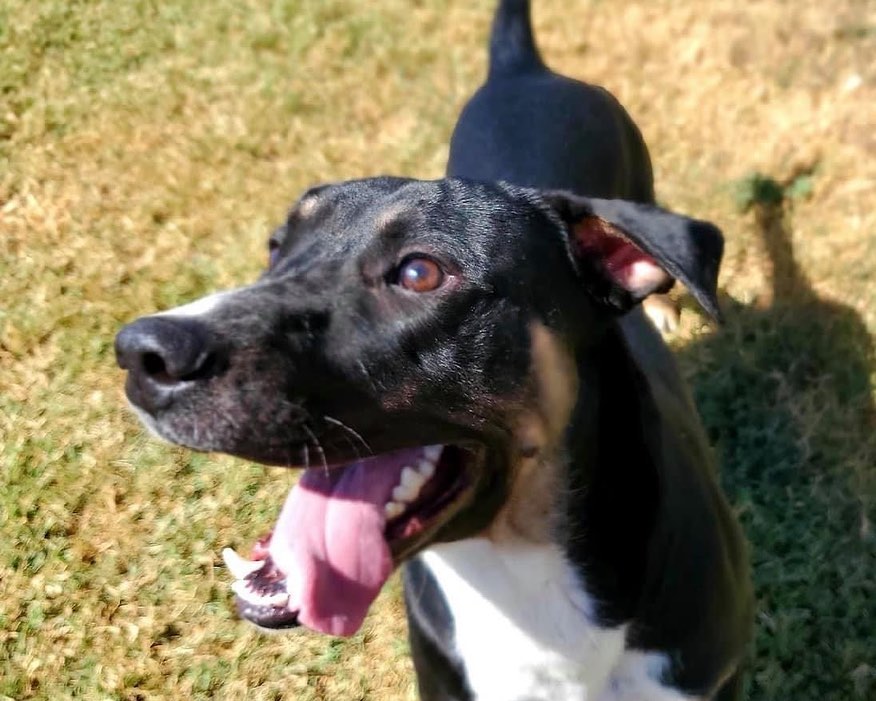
389	216
308	206
538	451
553	367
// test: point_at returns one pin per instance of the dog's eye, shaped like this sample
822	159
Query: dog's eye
419	274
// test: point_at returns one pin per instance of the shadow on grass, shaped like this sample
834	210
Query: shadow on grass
784	391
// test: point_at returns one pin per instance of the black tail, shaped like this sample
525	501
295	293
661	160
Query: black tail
512	47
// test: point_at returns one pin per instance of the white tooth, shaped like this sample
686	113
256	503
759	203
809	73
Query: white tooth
412	479
433	452
239	566
426	469
393	509
245	592
402	493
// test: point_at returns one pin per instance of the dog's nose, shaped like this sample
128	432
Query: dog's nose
162	352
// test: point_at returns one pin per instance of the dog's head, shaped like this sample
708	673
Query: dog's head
413	345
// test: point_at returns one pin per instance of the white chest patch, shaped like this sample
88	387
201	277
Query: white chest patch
523	627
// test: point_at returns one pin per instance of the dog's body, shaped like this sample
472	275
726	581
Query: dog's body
529	126
538	462
532	127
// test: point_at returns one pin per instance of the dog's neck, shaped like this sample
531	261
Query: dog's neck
593	455
609	463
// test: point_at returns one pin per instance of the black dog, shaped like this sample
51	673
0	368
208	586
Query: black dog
457	366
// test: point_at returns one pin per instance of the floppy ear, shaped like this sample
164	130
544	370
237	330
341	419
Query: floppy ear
627	250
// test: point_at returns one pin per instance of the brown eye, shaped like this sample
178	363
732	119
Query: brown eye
420	275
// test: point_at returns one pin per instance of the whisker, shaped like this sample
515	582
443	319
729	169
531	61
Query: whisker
318	448
347	429
350	443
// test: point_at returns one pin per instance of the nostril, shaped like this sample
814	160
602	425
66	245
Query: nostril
155	367
154	364
167	350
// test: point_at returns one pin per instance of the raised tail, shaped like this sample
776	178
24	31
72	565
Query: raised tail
512	46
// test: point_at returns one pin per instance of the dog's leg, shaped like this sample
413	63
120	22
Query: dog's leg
439	678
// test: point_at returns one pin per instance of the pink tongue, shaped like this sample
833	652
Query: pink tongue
329	541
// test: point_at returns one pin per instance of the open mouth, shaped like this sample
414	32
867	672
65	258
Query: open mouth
341	532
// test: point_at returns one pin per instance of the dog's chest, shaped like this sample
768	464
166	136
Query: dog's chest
523	629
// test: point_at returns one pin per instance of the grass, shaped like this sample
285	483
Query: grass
147	148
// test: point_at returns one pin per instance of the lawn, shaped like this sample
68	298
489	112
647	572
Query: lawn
146	150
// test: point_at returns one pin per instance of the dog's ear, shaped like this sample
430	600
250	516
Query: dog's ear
627	250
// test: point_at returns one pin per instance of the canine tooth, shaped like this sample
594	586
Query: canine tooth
411	478
393	509
239	566
426	469
433	452
403	493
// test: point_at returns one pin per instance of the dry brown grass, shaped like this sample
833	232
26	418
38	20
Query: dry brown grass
145	152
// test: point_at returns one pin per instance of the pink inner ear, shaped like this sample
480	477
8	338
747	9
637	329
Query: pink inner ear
625	263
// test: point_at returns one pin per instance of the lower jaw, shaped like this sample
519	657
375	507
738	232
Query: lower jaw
278	618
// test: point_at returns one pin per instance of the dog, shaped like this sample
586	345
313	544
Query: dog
463	370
